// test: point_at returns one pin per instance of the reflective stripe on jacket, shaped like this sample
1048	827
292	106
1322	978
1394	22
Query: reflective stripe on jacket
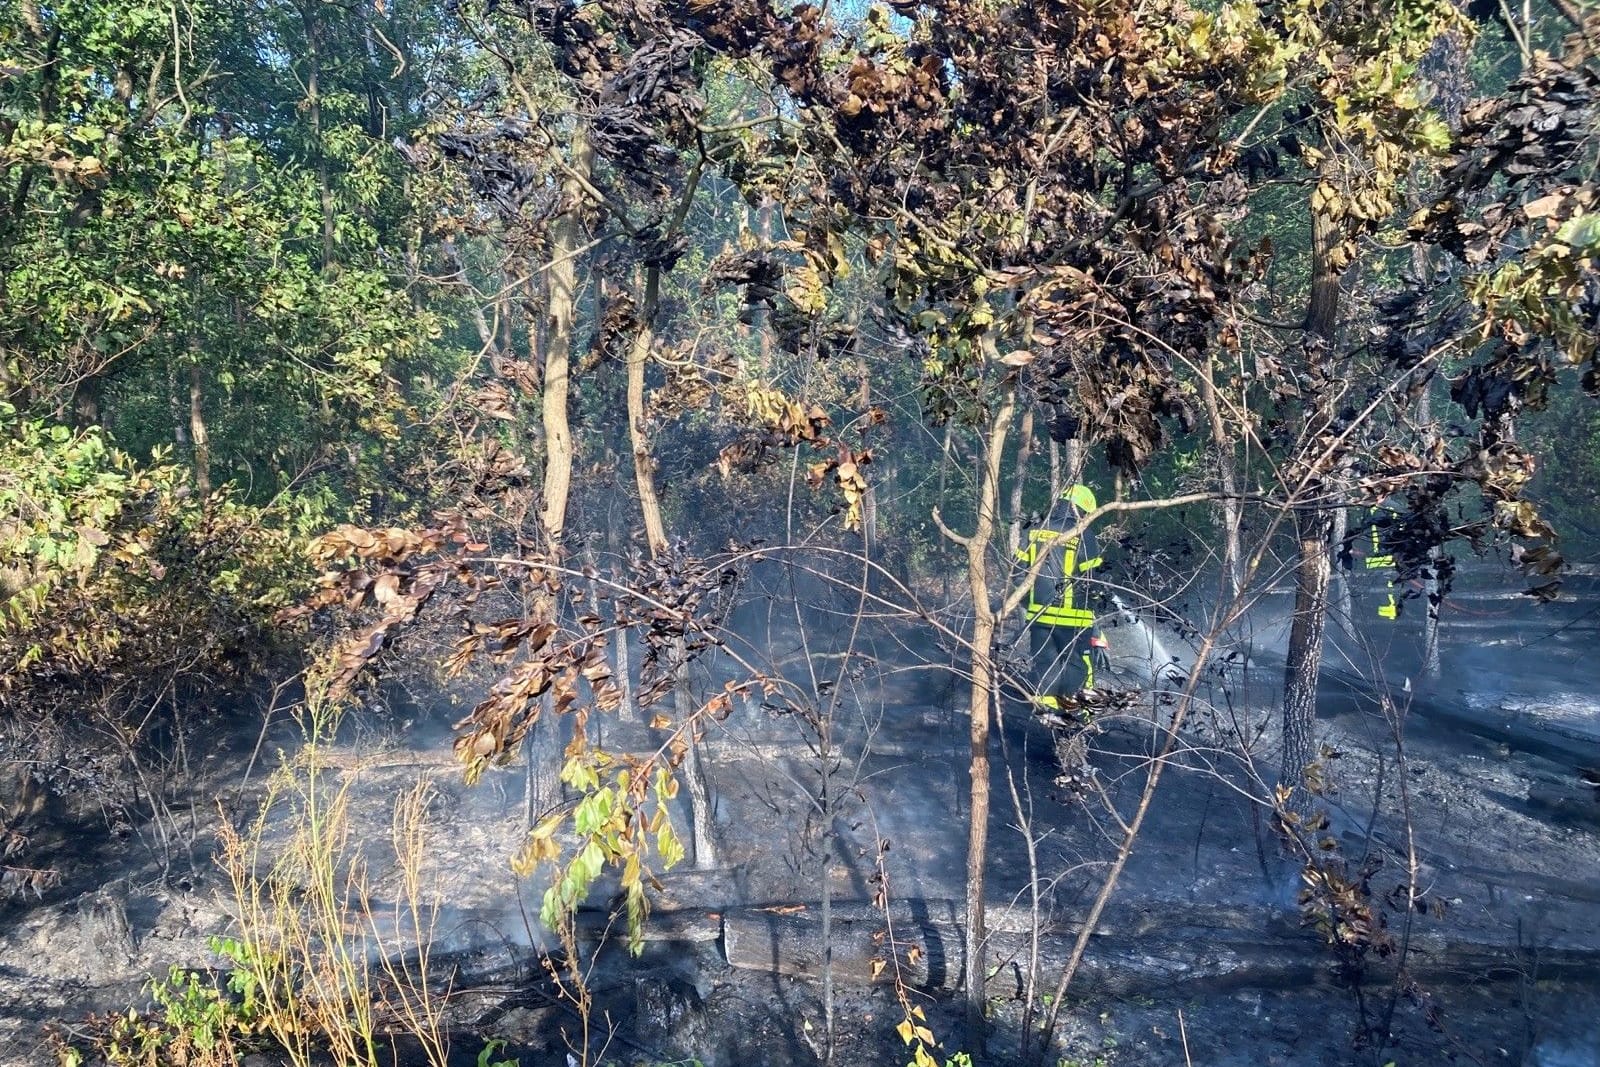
1051	599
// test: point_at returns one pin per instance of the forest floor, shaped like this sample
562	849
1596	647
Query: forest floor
1201	958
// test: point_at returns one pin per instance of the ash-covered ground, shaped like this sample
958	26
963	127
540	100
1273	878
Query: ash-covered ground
1479	776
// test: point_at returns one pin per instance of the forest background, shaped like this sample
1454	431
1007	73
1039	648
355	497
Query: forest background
330	330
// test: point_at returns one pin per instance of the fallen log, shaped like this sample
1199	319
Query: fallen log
689	927
1219	949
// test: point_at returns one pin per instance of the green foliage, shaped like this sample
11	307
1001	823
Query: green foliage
106	563
218	338
613	826
131	607
193	1006
486	1057
60	490
193	1022
163	272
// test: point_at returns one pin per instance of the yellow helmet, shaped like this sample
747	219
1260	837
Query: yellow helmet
1082	498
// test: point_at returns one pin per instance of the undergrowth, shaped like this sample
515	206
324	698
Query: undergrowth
320	966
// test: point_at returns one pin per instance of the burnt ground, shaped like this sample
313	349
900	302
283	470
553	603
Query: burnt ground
1201	957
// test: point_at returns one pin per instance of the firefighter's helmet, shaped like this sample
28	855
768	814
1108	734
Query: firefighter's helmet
1082	498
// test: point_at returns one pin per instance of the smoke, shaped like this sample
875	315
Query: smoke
1147	651
848	760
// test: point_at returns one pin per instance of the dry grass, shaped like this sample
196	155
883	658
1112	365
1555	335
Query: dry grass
326	953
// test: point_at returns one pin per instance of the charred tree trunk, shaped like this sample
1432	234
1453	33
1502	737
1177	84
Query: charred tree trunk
1430	582
1312	532
626	711
1340	599
1313	522
700	816
1430	618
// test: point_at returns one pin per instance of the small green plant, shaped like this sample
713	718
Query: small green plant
243	971
194	1009
495	1047
193	1021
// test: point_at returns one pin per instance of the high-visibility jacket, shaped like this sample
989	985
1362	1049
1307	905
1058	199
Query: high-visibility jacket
1377	558
1053	599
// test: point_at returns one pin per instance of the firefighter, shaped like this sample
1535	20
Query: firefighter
1061	622
1378	559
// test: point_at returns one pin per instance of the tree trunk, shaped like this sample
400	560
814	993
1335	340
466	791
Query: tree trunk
1342	603
643	459
983	673
944	478
1313	523
700	816
626	712
1312	532
869	499
1019	484
1071	469
198	433
537	292
759	312
704	843
180	421
1430	617
1430	583
542	787
1055	471
566	235
1230	508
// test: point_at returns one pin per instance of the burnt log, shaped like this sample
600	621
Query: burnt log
1148	951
